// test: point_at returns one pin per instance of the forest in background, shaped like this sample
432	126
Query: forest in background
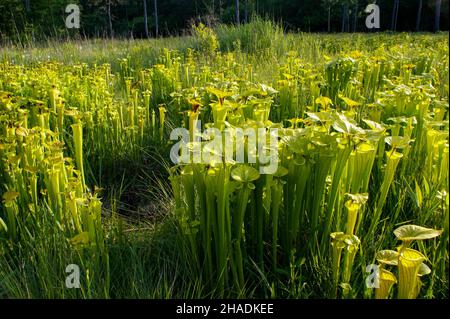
38	19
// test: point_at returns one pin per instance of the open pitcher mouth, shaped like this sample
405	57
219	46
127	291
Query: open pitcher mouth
232	145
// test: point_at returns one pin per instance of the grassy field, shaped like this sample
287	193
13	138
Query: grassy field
362	178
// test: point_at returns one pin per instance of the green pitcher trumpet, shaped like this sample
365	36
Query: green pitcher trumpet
337	244
353	205
78	142
409	262
386	281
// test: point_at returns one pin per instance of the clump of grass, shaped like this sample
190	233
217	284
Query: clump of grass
254	37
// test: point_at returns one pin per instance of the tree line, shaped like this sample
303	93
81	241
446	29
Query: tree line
154	18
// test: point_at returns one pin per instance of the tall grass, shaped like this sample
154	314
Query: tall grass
254	37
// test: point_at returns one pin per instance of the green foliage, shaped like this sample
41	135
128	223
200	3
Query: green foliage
256	36
363	123
43	19
206	38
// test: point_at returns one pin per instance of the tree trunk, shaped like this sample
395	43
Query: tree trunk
419	16
246	11
128	23
145	19
394	15
345	18
27	5
329	18
437	15
236	11
355	17
155	7
111	34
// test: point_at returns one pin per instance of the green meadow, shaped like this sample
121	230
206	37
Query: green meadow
361	182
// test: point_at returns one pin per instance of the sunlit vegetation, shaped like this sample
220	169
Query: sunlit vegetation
363	159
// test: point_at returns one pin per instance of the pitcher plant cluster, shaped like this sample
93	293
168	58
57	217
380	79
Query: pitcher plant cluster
314	165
